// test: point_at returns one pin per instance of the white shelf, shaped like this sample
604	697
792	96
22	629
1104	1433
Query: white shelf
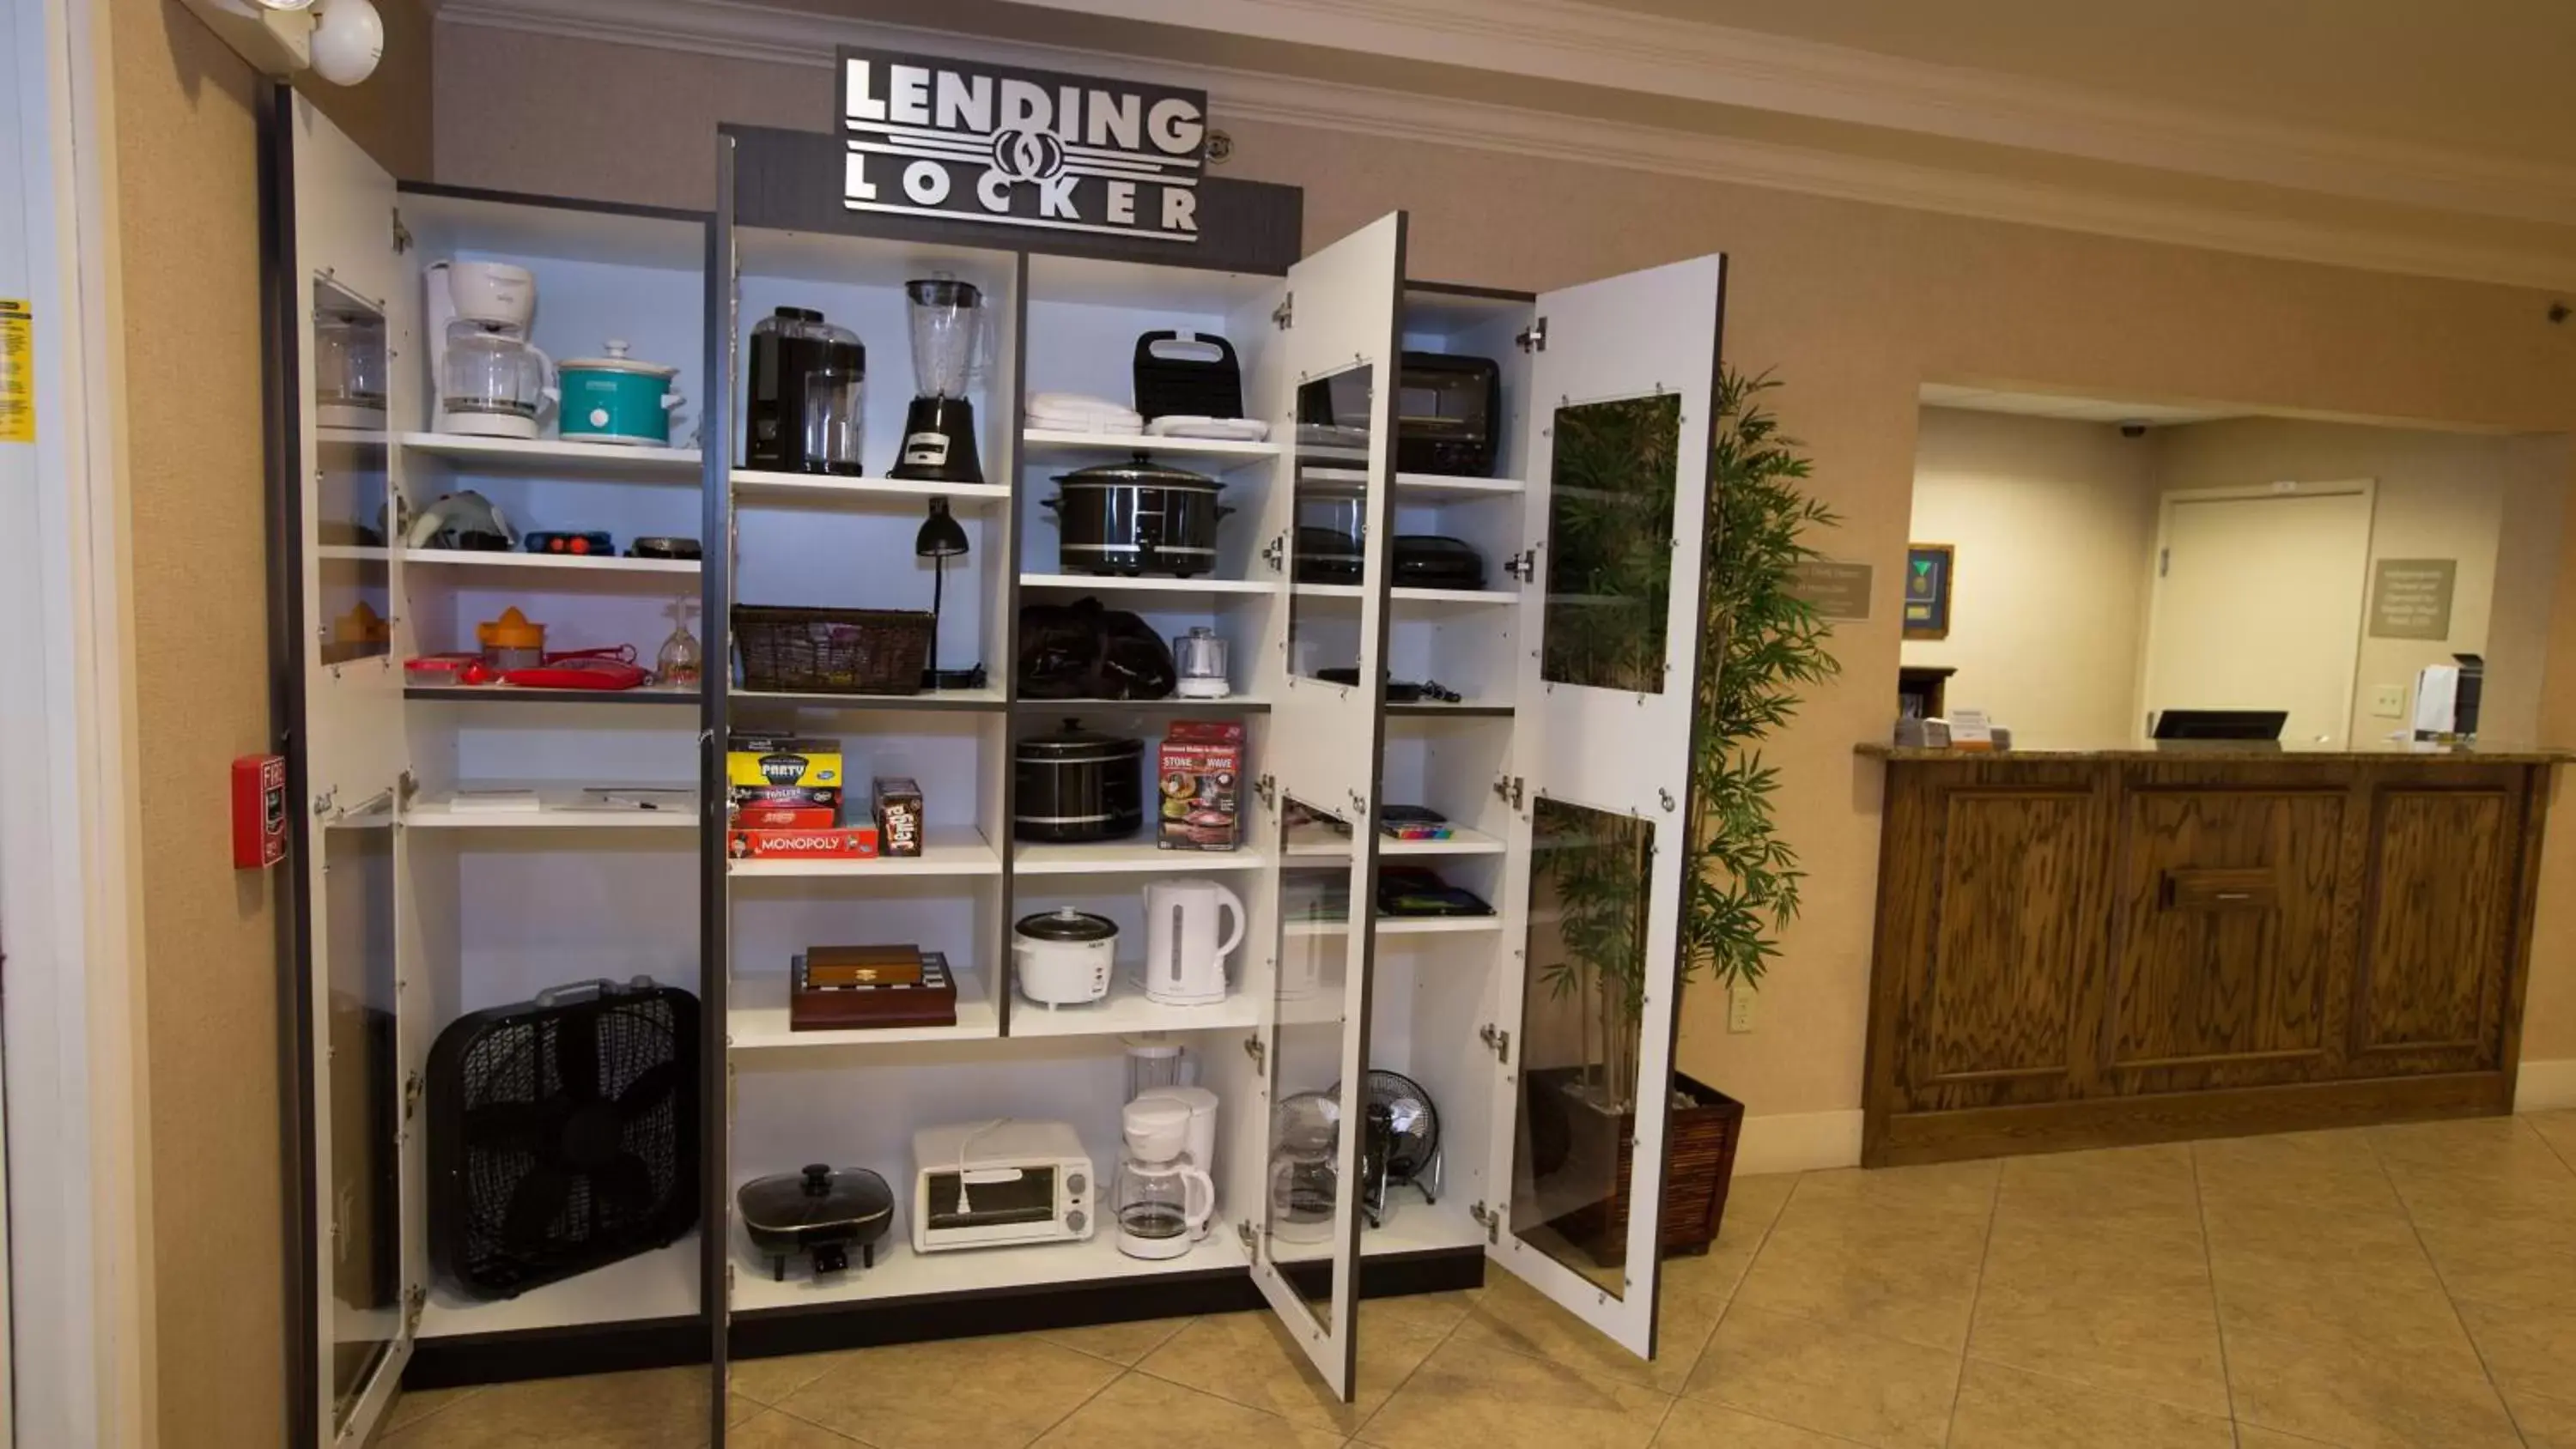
1415	1226
1430	485
554	455
1126	1009
989	697
466	558
353	552
1119	584
1320	843
1118	857
659	1284
756	1017
945	851
1047	446
832	488
902	1273
1402	926
554	812
1451	598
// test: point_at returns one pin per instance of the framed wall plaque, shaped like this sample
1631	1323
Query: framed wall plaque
1927	590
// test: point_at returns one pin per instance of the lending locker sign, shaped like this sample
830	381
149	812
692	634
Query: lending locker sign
927	136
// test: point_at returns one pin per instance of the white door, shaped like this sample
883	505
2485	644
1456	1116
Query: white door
1618	508
1325	746
352	290
2258	604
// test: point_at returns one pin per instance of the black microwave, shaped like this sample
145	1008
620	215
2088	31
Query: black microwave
1448	411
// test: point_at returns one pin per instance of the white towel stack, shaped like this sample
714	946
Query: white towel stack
1072	412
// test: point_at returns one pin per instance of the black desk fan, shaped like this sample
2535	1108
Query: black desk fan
1401	1147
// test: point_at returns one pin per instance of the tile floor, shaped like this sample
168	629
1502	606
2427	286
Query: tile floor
2374	1288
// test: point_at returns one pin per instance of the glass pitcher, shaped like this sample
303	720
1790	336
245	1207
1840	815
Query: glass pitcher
495	374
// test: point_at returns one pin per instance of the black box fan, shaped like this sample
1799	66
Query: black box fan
563	1134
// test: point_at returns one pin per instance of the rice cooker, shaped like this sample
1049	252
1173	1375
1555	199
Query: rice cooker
616	399
1063	957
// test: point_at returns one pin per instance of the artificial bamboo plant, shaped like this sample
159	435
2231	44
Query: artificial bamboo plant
1610	547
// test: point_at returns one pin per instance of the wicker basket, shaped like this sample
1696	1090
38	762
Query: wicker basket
1699	1163
832	651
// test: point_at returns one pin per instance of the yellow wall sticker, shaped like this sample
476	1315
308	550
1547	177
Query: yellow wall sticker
17	372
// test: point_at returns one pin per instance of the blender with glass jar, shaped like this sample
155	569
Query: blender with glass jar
1162	1199
948	319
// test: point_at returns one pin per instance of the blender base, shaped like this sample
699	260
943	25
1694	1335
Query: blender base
939	443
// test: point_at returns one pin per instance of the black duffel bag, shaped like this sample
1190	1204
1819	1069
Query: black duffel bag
1084	651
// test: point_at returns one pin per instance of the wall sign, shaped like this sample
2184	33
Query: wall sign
2410	598
1927	590
964	141
1837	590
17	372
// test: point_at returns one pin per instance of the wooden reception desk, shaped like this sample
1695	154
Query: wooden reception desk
2091	947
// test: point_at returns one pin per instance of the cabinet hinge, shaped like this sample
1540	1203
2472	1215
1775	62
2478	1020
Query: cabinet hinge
411	1095
1275	552
1491	1220
1532	338
406	785
1510	789
1523	565
415	1298
1284	316
1251	1239
1253	1049
1500	1040
402	234
2164	562
1267	787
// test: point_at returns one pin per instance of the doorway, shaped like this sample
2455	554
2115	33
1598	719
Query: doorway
2257	604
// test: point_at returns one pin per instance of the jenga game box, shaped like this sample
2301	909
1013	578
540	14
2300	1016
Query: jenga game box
1198	774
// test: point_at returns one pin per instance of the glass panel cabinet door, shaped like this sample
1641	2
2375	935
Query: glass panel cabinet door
1603	822
356	301
1327	520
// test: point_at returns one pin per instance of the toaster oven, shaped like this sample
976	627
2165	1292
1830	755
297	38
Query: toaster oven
1448	412
1001	1181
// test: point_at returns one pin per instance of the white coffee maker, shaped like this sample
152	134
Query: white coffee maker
487	379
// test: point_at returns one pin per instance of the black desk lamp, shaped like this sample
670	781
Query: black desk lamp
941	538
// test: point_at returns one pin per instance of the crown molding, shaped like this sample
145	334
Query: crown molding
1595	45
743	31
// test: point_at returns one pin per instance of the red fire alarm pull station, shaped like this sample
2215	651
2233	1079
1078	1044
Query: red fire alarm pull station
259	811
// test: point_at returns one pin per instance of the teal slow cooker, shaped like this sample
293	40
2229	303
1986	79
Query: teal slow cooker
615	399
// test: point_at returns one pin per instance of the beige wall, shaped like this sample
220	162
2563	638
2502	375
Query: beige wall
2491	503
187	198
1854	306
2054	524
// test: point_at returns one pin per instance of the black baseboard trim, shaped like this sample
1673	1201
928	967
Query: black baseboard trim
554	1353
545	1353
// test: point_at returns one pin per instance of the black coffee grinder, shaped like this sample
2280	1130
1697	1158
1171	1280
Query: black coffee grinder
939	431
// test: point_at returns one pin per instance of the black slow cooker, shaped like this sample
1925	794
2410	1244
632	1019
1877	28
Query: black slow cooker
1137	517
1077	785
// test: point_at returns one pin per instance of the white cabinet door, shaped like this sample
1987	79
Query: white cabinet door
356	306
1324	744
1624	395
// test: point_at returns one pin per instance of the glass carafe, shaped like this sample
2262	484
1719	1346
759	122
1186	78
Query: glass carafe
1305	1178
349	369
493	380
1162	1207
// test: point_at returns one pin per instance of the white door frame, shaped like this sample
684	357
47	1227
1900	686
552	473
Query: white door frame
2368	488
79	1244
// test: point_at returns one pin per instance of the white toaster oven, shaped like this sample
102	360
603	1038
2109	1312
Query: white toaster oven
985	1184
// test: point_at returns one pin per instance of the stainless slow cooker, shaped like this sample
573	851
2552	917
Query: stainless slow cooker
1138	517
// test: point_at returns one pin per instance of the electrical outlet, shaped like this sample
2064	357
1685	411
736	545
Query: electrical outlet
1739	1008
2388	701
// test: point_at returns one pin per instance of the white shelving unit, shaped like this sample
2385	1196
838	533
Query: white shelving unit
424	915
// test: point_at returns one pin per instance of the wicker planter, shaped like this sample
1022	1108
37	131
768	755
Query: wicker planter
1700	1143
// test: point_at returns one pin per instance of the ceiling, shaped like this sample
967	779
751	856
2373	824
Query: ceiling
2482	75
2070	409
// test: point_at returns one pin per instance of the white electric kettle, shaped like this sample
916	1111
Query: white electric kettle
1184	950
